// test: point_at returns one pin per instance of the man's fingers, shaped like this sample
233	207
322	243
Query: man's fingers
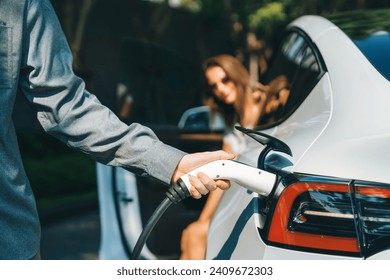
198	185
202	185
222	184
209	183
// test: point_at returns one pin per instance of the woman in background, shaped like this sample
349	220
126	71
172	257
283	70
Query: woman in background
240	103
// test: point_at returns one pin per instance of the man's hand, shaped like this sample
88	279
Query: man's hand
201	184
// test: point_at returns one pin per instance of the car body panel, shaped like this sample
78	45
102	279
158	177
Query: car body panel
340	131
350	127
303	128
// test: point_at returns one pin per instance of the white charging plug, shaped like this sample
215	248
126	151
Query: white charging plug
249	177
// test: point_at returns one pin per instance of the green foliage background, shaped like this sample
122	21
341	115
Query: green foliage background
56	173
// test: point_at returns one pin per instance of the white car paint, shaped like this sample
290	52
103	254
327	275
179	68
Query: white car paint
360	97
336	119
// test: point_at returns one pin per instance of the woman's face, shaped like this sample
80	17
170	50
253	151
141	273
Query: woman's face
222	87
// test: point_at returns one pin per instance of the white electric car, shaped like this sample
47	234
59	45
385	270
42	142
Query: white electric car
332	199
331	196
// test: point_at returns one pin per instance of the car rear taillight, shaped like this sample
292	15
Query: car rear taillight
337	218
373	209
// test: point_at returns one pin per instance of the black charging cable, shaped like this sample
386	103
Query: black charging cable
174	195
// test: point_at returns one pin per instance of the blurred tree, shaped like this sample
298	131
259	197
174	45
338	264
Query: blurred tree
190	29
261	22
235	18
264	23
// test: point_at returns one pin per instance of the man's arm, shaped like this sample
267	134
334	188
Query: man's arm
73	115
76	117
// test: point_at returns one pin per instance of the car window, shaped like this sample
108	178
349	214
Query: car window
299	61
376	48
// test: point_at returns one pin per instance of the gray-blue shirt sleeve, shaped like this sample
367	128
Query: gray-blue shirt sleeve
75	116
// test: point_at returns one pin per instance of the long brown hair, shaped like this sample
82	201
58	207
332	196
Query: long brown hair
239	75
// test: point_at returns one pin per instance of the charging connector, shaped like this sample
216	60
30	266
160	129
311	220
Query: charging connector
249	177
178	192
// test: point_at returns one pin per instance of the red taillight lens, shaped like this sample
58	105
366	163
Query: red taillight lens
334	217
373	210
302	215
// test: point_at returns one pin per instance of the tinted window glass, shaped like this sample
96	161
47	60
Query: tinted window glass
377	50
198	121
296	61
